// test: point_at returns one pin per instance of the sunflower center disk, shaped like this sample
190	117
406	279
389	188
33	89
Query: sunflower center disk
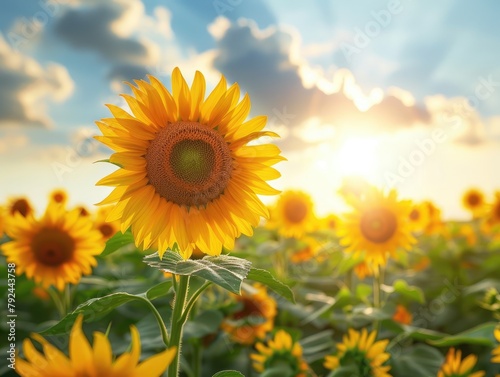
295	211
52	247
106	230
474	200
378	225
414	215
189	164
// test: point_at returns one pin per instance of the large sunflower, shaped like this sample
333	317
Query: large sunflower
253	319
187	175
454	366
473	200
378	226
55	250
293	214
90	361
280	351
361	350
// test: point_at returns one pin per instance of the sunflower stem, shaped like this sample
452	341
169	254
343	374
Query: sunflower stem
377	284
58	302
192	301
178	321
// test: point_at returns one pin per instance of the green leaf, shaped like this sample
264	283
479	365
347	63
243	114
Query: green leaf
159	290
408	291
116	242
418	361
93	310
266	278
228	373
482	334
223	270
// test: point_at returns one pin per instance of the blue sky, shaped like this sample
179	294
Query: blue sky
354	88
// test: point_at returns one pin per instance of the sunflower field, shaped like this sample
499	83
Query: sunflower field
182	270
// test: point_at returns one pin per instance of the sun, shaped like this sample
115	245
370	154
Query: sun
358	157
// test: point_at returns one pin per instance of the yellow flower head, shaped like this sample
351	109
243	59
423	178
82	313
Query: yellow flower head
83	211
473	200
467	231
293	214
362	350
419	217
107	228
454	366
496	352
90	361
329	222
493	213
59	196
19	205
280	350
402	315
307	249
187	175
378	226
254	319
2	221
435	224
54	250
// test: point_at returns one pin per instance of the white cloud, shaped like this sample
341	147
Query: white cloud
27	87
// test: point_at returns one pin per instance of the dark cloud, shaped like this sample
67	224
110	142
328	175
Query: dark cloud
26	87
263	64
99	26
126	72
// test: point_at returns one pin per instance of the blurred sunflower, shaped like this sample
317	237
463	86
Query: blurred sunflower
19	205
254	317
378	226
496	351
467	231
362	351
435	224
473	200
362	270
329	222
2	221
59	196
281	351
55	250
454	366
187	176
493	214
402	315
293	214
107	228
419	217
308	248
83	211
90	361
